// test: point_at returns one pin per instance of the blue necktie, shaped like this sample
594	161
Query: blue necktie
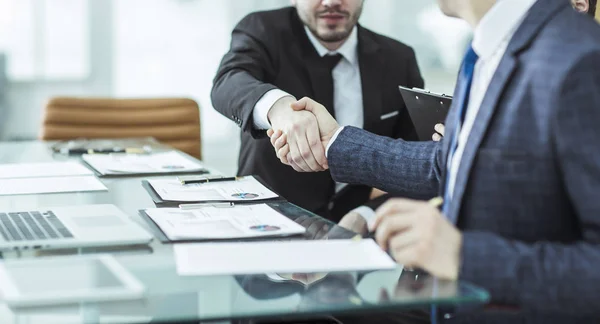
461	100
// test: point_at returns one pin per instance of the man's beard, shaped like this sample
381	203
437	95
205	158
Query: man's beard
335	36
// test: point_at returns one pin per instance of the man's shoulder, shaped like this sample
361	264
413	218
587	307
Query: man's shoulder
278	18
566	40
387	44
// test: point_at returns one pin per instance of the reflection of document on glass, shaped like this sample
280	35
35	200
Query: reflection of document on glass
26	186
163	162
44	169
244	189
280	257
242	221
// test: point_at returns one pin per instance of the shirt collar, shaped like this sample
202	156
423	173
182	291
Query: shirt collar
499	25
348	50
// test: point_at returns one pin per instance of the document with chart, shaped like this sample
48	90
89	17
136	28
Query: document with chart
154	163
244	189
242	221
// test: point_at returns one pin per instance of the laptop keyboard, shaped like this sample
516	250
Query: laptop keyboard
30	226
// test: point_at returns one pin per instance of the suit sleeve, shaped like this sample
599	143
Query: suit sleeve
546	276
405	128
241	79
408	169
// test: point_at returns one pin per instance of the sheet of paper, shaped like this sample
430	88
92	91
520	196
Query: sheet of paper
246	189
46	169
26	186
199	259
242	221
163	162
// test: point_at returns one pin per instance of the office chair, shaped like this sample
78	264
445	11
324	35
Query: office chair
171	121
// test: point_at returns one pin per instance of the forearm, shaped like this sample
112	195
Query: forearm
236	93
542	276
395	166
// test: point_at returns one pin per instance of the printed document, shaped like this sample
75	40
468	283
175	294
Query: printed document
44	169
199	259
241	221
26	186
163	162
245	189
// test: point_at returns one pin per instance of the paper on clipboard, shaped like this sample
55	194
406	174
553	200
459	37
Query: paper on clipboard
241	221
244	189
162	162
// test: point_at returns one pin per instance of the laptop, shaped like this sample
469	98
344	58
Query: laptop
425	110
69	227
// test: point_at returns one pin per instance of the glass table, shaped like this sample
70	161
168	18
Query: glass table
170	298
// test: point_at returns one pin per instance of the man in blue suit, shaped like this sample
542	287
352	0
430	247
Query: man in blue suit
518	169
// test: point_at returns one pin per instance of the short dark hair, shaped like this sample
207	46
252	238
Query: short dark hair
592	9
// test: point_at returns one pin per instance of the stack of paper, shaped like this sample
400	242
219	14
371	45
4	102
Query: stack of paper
280	257
245	189
155	163
44	169
25	186
49	177
242	221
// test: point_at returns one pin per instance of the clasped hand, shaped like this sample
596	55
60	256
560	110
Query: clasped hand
300	138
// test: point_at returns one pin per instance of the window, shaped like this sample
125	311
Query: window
45	39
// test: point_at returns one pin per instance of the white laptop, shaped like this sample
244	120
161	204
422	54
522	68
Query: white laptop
69	227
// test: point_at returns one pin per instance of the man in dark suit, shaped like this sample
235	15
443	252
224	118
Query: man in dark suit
277	56
518	170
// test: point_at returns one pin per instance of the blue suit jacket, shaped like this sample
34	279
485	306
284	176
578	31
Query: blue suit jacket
527	195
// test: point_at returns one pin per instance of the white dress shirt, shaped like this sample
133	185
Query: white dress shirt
347	86
490	40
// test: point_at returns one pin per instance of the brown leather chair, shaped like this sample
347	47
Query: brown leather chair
173	121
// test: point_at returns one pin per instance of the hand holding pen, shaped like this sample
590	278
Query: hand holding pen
418	235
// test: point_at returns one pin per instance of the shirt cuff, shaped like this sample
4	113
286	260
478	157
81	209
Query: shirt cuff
366	213
264	104
333	138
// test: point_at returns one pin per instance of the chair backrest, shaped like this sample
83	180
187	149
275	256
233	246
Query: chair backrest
172	121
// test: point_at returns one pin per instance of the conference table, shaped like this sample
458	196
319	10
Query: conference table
170	298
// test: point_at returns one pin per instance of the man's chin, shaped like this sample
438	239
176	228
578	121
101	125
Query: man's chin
333	37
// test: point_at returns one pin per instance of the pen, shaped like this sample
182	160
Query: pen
207	180
101	151
207	204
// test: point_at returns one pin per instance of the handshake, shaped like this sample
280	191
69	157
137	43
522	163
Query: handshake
301	131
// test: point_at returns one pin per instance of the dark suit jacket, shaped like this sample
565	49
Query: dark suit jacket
527	191
271	50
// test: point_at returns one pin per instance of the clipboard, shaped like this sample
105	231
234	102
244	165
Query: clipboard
159	202
163	238
425	109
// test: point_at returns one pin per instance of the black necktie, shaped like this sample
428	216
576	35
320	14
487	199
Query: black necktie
329	62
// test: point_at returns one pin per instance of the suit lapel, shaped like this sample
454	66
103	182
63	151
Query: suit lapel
371	66
539	14
450	129
482	121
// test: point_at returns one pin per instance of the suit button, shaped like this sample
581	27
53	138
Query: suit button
330	205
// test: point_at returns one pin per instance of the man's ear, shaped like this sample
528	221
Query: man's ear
581	5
